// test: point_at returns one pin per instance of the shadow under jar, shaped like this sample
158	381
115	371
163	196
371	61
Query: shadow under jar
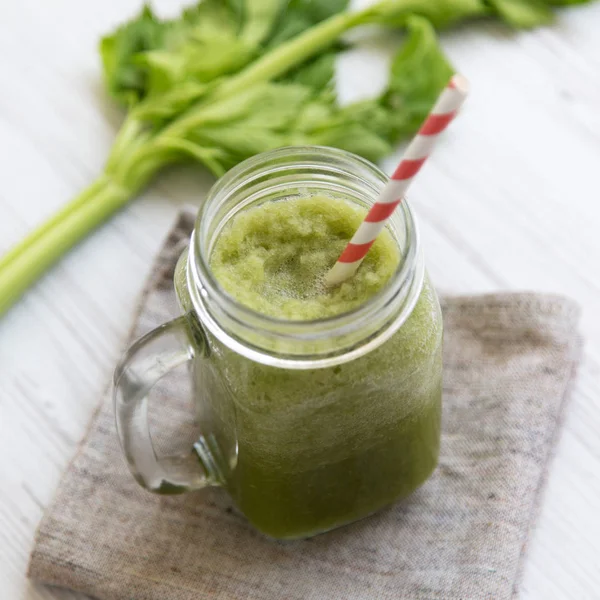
309	425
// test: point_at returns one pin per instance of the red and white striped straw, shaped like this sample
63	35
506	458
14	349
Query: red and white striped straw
392	194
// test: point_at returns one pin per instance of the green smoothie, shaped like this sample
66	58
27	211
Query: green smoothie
273	258
304	451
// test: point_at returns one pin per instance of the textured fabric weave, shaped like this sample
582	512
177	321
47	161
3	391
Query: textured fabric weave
508	362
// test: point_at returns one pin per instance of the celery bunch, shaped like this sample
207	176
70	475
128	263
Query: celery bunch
232	78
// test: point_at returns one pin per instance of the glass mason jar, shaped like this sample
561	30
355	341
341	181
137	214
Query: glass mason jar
308	424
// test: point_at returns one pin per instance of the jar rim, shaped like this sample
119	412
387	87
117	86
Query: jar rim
404	284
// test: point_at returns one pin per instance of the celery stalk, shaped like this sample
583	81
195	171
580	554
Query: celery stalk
41	249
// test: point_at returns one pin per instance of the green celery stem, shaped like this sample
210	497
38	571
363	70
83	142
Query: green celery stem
38	233
290	54
42	248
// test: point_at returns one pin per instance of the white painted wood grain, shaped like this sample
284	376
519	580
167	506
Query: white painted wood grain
509	201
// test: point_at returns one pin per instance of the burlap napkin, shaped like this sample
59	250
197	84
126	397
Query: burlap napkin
508	362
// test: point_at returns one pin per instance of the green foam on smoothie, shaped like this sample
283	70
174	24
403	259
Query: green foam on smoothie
273	258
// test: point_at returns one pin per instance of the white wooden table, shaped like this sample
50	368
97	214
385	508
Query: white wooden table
510	202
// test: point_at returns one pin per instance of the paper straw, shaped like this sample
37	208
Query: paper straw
392	194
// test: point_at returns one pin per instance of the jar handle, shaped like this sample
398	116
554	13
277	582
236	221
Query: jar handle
149	359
